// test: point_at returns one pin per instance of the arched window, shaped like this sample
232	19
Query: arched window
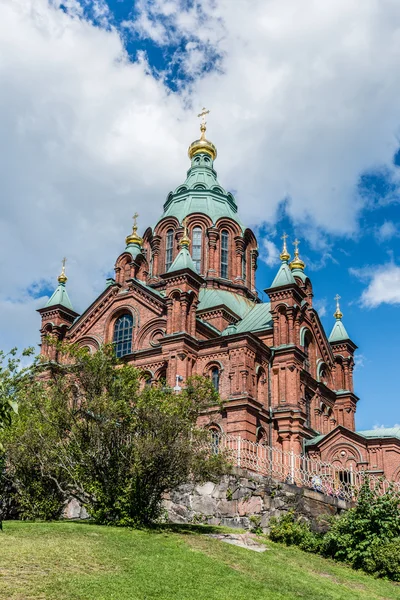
197	239
215	377
123	329
244	267
215	435
224	254
169	249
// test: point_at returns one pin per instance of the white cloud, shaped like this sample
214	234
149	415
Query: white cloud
386	231
269	253
383	286
299	110
320	306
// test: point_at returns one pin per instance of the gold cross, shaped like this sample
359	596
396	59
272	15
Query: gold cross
64	260
203	114
135	216
284	237
296	244
337	298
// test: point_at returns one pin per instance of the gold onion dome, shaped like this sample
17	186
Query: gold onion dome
134	238
338	313
284	255
62	278
185	240
297	263
202	144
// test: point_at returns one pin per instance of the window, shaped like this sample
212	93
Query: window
169	248
224	254
244	266
197	236
123	330
215	377
215	435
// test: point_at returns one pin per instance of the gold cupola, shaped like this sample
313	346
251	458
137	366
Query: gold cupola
62	278
134	238
202	144
297	263
185	240
338	313
284	255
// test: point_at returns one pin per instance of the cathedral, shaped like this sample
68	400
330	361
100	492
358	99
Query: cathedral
183	301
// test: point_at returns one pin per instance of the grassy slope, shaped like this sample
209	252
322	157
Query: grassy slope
71	561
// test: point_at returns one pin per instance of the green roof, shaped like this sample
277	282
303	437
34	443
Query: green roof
257	319
381	432
209	298
314	440
284	276
201	193
60	297
299	273
338	333
133	249
182	261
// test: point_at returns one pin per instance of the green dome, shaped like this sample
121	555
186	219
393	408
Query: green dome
201	193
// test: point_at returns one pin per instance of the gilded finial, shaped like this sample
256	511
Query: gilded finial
134	238
297	263
203	145
62	278
284	255
185	240
338	313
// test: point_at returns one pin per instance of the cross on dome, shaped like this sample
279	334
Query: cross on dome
62	278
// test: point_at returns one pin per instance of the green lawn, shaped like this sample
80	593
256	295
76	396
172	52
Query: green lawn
66	561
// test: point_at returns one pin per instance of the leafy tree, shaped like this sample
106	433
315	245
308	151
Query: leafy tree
13	378
88	428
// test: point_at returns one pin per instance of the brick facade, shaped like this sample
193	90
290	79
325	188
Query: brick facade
279	377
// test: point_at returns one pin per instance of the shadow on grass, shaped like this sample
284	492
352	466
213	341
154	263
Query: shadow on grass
179	528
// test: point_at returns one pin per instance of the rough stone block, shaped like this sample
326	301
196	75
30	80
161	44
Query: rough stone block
206	489
250	507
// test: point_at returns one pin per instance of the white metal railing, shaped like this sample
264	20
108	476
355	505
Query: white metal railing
298	469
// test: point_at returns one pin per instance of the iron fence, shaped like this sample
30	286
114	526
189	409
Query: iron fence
299	469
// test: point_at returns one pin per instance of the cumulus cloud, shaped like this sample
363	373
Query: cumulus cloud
386	231
296	94
383	284
269	253
87	136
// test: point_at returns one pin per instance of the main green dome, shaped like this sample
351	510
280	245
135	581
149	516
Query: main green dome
201	192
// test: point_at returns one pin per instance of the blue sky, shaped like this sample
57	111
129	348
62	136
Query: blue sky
100	105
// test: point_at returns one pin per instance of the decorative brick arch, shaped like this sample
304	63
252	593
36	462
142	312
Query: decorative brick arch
346	447
91	342
149	331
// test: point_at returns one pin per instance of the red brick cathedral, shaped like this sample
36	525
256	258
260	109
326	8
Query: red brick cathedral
184	302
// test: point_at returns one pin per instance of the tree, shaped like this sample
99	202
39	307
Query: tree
12	381
88	428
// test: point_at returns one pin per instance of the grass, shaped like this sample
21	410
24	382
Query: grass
71	561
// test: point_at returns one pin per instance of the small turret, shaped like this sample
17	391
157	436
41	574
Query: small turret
338	333
57	315
284	275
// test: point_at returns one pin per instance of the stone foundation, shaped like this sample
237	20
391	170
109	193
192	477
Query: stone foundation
236	498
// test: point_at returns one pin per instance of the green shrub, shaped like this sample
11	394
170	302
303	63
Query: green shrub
291	530
384	560
375	520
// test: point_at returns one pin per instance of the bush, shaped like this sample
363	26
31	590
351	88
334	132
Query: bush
291	530
384	560
375	520
366	537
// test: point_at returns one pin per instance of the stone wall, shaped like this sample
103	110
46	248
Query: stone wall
236	498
